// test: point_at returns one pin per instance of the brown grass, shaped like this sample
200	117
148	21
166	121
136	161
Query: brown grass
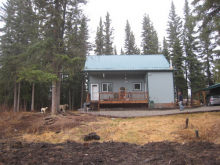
141	130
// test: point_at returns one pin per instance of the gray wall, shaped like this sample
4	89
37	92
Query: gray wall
118	80
161	87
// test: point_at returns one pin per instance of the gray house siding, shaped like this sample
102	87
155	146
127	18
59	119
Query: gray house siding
161	87
118	80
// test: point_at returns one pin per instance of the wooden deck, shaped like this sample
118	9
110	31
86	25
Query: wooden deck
119	98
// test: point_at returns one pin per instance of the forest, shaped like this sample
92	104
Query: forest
44	44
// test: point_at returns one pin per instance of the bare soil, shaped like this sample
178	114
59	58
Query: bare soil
15	150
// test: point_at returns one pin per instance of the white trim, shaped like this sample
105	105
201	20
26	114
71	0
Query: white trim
92	95
107	86
136	89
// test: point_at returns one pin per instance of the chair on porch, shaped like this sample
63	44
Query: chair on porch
122	92
116	97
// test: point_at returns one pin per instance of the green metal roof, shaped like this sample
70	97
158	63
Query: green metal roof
209	88
126	62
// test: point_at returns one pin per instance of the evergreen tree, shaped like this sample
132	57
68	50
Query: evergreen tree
19	32
108	38
216	72
78	47
207	16
165	51
207	53
115	50
149	37
176	53
130	46
179	80
208	12
122	52
84	45
99	41
174	29
38	48
193	66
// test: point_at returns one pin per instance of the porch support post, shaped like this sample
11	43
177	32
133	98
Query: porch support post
198	98
204	97
82	93
99	102
192	99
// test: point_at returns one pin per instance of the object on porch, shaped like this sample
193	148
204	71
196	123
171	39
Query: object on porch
122	92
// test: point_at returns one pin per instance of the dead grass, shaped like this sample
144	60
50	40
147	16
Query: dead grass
141	130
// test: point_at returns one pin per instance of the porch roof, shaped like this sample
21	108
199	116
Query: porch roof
126	62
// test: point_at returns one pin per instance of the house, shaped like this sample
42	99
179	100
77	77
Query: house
129	81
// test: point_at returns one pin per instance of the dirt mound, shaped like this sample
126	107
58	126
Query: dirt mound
109	153
15	124
28	151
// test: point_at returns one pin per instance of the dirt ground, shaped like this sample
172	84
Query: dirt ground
15	150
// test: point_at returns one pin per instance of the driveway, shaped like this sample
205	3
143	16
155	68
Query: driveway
138	113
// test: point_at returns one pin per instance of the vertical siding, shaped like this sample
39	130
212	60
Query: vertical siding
160	87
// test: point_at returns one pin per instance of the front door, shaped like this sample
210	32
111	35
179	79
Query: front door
94	92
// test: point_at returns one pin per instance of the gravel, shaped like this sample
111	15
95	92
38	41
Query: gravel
139	113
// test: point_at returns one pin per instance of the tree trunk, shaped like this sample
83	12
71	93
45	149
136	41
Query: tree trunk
191	97
25	105
58	91
187	88
15	97
73	100
70	105
19	92
54	100
82	93
32	97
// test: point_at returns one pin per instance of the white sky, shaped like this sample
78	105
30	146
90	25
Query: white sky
132	10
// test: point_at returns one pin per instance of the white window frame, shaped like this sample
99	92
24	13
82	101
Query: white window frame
107	87
137	89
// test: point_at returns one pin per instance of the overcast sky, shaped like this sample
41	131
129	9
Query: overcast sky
132	10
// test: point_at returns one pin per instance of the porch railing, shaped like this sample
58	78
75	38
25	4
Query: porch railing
123	97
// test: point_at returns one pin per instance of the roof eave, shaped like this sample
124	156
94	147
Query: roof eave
116	70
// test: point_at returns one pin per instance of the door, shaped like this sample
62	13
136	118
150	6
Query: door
94	92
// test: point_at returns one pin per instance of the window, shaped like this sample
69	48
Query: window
106	87
137	86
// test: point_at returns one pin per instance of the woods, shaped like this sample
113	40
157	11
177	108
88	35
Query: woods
42	55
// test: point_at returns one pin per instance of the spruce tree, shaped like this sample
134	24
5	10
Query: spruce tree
99	40
165	50
193	66
207	53
115	51
130	46
207	17
149	37
176	53
19	32
216	72
42	40
108	38
122	52
174	29
208	12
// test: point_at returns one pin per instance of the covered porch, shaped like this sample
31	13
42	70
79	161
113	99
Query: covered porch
116	98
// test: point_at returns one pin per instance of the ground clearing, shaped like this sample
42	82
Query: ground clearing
164	138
